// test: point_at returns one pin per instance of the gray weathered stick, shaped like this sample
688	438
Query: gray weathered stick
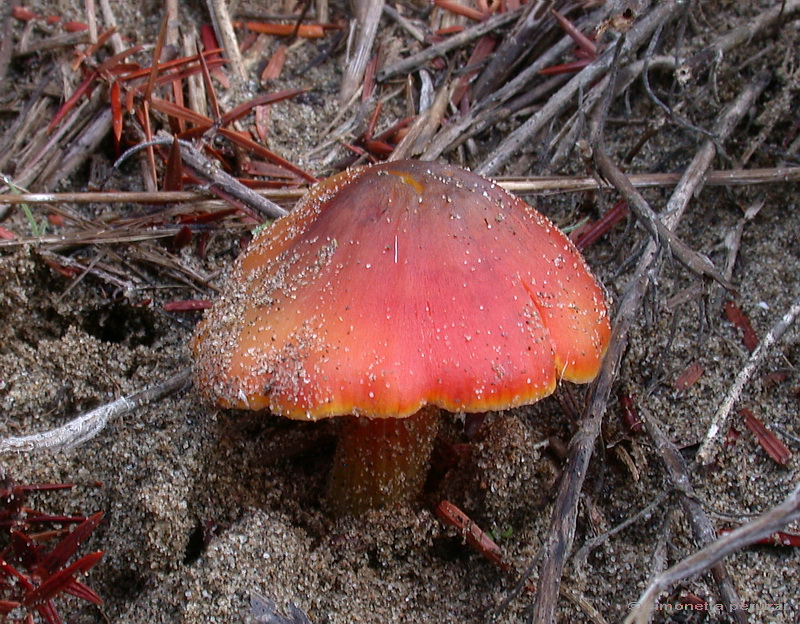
219	181
702	529
710	442
451	43
88	425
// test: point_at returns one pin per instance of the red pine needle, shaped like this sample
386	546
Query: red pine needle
75	26
741	322
116	111
452	516
173	174
779	538
689	376
22	14
581	40
769	442
69	545
603	225
265	153
460	9
630	415
274	67
305	31
67	106
188	305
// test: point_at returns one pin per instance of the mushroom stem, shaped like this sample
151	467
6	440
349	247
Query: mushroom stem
380	462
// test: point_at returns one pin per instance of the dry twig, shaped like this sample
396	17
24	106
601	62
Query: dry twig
562	523
220	183
504	60
88	425
765	525
636	37
710	442
499	104
702	529
781	12
410	64
6	44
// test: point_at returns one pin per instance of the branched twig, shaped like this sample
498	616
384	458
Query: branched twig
693	176
565	96
220	182
765	525
647	217
783	11
709	446
88	425
562	521
702	529
582	555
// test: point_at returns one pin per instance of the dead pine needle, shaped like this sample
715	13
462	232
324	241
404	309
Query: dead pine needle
528	185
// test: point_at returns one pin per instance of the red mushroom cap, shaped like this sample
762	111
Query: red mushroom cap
401	285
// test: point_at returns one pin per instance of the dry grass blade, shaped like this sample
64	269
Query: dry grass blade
421	130
368	16
536	185
223	27
144	197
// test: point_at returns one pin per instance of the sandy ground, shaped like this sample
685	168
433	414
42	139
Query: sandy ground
206	507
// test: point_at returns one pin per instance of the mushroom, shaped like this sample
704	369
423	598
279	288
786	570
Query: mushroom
392	292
